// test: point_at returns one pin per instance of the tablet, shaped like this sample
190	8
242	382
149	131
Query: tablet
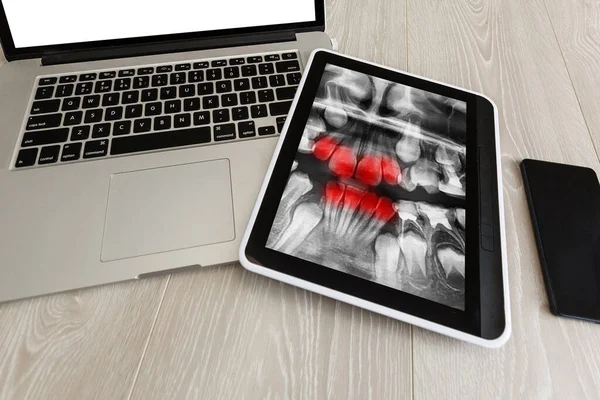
384	192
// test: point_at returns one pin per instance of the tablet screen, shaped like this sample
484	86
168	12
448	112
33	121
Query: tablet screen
377	187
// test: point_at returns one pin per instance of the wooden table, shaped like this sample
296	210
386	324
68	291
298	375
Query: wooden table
222	333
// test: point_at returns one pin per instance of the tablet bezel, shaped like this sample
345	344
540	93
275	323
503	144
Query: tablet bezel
469	322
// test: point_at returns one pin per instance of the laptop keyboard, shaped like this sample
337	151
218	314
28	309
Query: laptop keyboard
100	114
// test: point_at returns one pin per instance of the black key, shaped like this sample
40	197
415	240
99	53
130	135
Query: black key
71	152
92	116
187	90
160	80
272	57
294	78
218	63
232	72
266	130
141	82
221	115
255	59
45	137
213	74
183	67
131	97
191	104
205	88
241	84
210	102
164	68
68	79
47	81
95	148
108	75
246	129
224	132
280	108
195	76
64	90
145	71
286	93
103	86
88	77
123	84
173	107
247	97
73	118
142	125
43	121
277	80
237	61
201	65
259	82
258	111
122	128
113	113
228	100
182	120
289	56
110	99
266	95
239	113
80	132
84	88
91	101
167	93
266	69
155	141
178	78
223	86
202	118
249	70
127	72
44	92
49	155
101	130
162	123
134	111
149	95
287	66
45	106
280	123
153	109
26	158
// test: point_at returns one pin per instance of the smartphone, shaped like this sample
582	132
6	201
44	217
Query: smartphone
564	203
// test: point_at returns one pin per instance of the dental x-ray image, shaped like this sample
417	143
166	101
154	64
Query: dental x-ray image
377	187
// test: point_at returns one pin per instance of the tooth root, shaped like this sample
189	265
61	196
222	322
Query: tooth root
298	185
306	145
451	261
387	254
343	162
408	148
305	219
414	250
336	117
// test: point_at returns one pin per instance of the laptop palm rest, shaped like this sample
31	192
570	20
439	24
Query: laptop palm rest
170	208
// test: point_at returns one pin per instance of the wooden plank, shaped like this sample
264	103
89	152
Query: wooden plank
507	50
78	345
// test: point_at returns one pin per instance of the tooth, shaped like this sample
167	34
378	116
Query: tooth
359	88
414	250
343	162
369	171
314	127
424	173
451	184
436	215
305	219
391	171
461	217
387	254
336	117
407	182
294	165
446	156
385	210
451	260
306	145
352	199
298	185
324	147
408	148
407	210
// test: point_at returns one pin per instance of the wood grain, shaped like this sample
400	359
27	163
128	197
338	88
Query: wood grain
507	50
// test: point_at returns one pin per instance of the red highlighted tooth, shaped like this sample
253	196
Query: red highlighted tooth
385	209
324	147
391	171
369	170
369	203
343	162
334	192
352	197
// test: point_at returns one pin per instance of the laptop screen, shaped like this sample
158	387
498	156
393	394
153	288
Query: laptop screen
43	22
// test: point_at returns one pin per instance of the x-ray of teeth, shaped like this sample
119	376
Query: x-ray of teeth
377	188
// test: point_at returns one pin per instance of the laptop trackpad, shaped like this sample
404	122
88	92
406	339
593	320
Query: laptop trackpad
170	208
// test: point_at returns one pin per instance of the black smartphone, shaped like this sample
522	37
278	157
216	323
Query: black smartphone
564	202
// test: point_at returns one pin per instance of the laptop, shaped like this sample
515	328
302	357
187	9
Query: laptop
134	138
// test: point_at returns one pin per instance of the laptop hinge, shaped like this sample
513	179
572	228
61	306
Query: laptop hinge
139	50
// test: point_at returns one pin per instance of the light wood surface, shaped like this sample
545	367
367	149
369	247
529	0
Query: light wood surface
222	333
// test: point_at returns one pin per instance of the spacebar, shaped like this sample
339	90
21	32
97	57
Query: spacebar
162	140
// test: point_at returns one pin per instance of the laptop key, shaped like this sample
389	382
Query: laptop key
246	129
281	108
241	84
160	80
173	107
149	95
49	155
221	115
272	57
247	97
289	56
101	130
187	91
108	74
218	63
195	76
95	148
209	102
229	100
80	132
88	77
178	78
214	74
286	93
156	141
67	79
122	128
145	71
266	95
44	92
206	88
43	121
277	80
202	118
142	125
168	93
152	109
73	118
183	67
113	113
223	86
71	152
141	82
103	86
64	90
200	65
164	68
110	99
232	72
47	81
249	70
130	97
127	72
84	88
123	84
294	78
287	66
266	69
191	104
134	111
237	61
255	59
70	104
280	123
49	136
240	113
259	82
258	111
162	123
45	106
182	120
266	130
26	158
91	101
224	132
92	116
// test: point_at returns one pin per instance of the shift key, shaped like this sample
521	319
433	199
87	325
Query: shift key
44	121
45	137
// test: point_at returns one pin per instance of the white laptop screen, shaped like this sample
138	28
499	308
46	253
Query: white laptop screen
45	22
